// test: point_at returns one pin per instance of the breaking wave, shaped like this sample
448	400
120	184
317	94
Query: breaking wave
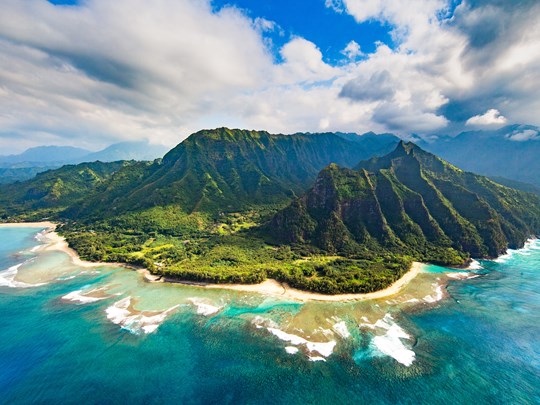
122	313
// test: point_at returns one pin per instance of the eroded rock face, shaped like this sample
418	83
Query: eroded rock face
409	202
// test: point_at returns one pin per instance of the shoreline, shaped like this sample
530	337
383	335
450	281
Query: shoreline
54	242
42	224
275	288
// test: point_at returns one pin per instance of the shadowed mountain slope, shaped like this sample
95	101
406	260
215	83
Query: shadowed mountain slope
411	202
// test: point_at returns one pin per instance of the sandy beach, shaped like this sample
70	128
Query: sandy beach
275	288
57	242
53	241
44	224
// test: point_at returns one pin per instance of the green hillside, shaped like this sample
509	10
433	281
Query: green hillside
51	192
229	170
409	202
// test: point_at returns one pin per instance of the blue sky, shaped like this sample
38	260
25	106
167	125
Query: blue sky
312	20
315	22
93	72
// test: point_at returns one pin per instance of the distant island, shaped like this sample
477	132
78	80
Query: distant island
328	213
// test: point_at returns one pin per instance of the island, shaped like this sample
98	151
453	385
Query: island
324	213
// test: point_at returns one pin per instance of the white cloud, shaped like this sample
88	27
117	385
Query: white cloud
336	5
264	25
523	136
485	54
303	63
490	117
106	71
352	51
410	81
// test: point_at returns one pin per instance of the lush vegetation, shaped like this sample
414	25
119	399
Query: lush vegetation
55	190
409	202
226	249
10	175
222	207
223	170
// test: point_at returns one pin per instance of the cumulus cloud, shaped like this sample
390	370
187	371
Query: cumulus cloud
263	25
407	82
502	54
491	117
105	71
122	69
523	136
352	51
379	86
303	63
452	65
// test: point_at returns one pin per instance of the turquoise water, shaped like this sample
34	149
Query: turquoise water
440	341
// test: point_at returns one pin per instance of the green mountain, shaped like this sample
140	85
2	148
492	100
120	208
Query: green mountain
226	170
379	144
13	174
409	202
52	191
518	185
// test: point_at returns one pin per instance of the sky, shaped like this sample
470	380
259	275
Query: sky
90	73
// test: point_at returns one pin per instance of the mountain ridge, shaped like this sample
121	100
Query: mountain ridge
231	169
511	151
39	159
409	198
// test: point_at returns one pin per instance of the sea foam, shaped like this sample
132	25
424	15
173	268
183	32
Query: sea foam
79	296
204	308
390	343
462	275
121	313
291	349
526	250
475	265
430	299
317	351
7	278
341	329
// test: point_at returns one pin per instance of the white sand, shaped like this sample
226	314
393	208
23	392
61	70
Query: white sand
275	288
45	224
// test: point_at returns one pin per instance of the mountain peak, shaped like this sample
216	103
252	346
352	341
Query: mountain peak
407	147
411	202
403	152
226	134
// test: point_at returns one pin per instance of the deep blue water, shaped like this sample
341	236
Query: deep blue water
478	345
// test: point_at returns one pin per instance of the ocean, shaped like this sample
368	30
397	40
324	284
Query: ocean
103	335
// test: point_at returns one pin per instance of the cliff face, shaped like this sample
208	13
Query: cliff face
411	202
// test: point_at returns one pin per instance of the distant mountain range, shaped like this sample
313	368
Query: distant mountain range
511	152
35	160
